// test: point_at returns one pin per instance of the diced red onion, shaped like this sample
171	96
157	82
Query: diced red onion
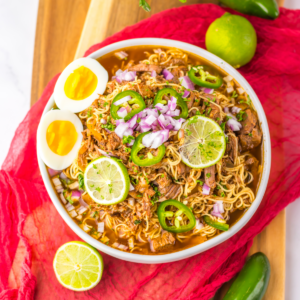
207	90
103	152
119	121
122	112
199	225
56	181
128	108
76	195
150	119
101	227
131	188
120	129
151	245
186	94
235	110
172	103
82	202
63	199
240	90
128	132
228	78
167	74
129	76
158	141
149	138
116	245
107	130
81	210
165	133
121	54
131	143
205	189
226	109
186	82
179	123
103	121
63	176
87	228
74	185
123	100
218	209
153	73
229	90
73	214
157	50
152	112
131	201
69	207
132	122
145	128
234	125
122	247
53	172
162	108
231	116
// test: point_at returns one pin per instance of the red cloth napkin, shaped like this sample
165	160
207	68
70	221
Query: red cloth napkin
31	230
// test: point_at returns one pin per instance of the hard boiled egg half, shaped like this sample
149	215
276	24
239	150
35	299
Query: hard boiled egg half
59	138
80	84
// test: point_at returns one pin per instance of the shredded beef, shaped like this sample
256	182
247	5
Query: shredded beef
164	242
210	176
146	68
113	141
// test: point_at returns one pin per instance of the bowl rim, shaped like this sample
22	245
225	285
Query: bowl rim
179	255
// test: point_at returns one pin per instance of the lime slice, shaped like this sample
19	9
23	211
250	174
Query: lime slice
106	180
78	266
204	142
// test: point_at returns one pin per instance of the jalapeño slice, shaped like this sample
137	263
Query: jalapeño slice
182	210
137	104
180	102
205	76
150	159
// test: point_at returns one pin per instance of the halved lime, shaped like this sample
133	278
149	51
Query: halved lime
78	266
106	180
204	142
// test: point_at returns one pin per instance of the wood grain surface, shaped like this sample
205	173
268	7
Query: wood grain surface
58	33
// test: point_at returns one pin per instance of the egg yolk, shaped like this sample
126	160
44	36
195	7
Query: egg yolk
61	137
80	84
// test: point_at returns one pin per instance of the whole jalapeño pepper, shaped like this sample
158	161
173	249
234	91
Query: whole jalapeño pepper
267	9
180	102
136	101
176	216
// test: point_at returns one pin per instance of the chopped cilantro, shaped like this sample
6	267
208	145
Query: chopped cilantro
223	126
234	94
240	115
81	181
138	120
200	182
127	149
188	132
70	200
136	222
222	194
250	134
208	175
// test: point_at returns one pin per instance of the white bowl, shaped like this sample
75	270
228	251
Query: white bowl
153	259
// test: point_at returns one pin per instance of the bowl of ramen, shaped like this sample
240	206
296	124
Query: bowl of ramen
154	150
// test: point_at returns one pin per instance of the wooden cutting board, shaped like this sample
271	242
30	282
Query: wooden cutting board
66	29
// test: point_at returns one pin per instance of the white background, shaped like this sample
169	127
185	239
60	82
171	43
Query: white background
17	32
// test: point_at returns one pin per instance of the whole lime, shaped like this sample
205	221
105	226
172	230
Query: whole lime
232	38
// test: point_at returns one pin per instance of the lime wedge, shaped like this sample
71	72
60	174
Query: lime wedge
204	142
106	180
78	266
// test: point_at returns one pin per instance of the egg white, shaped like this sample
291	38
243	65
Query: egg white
51	159
64	102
